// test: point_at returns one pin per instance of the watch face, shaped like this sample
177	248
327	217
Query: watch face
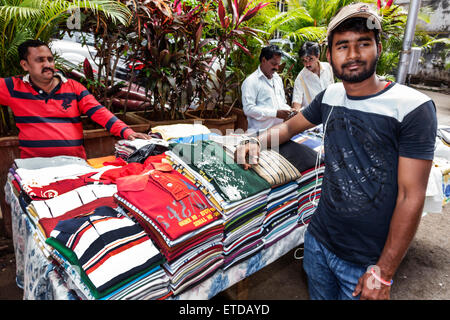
292	113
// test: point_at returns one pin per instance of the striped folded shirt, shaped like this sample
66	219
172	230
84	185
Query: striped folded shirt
107	247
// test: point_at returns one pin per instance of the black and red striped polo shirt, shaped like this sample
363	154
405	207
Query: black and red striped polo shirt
50	123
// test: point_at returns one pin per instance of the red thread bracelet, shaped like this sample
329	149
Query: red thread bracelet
377	277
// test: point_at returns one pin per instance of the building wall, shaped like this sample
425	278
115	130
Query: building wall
432	68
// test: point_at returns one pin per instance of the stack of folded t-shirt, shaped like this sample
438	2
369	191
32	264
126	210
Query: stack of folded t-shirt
48	188
174	131
60	189
112	254
194	137
240	195
138	150
179	219
281	204
306	160
281	216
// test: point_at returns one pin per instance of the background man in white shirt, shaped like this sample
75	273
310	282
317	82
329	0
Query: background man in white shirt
263	96
315	76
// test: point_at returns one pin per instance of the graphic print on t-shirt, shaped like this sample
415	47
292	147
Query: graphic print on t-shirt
366	185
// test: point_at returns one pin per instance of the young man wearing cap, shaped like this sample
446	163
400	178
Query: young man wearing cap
47	107
379	143
315	76
263	97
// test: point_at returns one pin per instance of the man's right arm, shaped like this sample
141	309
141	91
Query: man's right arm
282	132
89	105
249	103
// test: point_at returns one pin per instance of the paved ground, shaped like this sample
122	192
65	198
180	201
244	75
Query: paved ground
424	273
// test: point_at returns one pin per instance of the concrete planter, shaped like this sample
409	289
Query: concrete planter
241	121
224	125
149	118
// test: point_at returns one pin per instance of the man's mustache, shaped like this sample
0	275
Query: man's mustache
48	69
353	62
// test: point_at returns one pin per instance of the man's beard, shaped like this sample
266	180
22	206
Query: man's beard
366	73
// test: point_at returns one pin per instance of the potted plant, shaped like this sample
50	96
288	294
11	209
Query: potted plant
166	38
231	31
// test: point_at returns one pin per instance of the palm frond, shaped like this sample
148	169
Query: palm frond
19	37
292	19
22	10
308	34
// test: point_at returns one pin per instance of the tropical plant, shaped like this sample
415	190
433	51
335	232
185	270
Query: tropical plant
393	24
394	19
109	40
103	90
305	20
444	43
241	64
168	38
232	33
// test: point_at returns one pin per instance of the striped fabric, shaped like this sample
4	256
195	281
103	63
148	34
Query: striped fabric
50	124
109	248
275	169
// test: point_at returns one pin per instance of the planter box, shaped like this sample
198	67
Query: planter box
224	125
241	121
148	117
9	149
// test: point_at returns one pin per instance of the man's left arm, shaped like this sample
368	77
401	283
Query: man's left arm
412	183
100	114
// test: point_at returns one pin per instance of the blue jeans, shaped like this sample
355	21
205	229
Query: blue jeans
329	277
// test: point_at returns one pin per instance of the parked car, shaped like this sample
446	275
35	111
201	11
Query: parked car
72	52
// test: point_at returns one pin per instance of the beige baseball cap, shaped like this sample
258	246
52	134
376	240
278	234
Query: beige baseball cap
352	11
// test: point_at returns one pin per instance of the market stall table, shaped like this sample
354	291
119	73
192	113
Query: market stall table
40	278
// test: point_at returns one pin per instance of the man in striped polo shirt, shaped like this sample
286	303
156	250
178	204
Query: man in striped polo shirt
47	107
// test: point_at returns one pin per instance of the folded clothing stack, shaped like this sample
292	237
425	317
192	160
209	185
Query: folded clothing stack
240	195
179	130
109	250
179	219
281	217
309	190
283	213
138	150
311	167
63	190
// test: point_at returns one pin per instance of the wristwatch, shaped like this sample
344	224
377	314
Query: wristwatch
248	140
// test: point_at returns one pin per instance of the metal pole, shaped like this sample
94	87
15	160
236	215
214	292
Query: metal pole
407	41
